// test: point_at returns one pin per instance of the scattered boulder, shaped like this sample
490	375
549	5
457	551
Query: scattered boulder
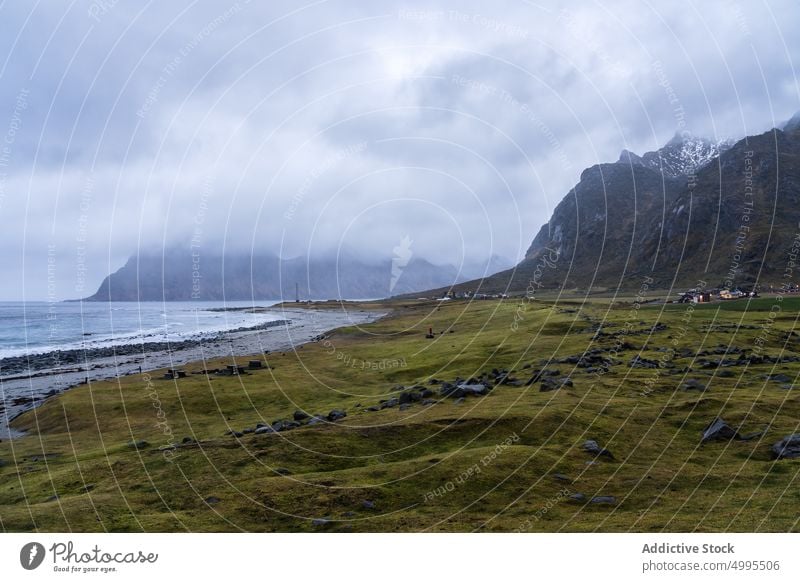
640	362
787	448
593	448
782	378
539	374
550	384
320	522
461	390
410	396
561	477
264	430
138	445
694	384
283	425
299	415
404	407
336	414
212	500
719	430
283	471
391	403
474	389
604	500
366	504
579	497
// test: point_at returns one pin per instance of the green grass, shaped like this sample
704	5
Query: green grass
787	303
663	479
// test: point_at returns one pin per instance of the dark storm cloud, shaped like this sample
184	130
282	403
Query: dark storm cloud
328	126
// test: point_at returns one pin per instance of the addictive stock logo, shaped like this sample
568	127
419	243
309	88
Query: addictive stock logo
31	555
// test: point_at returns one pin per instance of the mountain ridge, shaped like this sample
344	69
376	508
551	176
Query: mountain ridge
724	216
186	274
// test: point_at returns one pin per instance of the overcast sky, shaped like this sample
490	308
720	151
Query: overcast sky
294	127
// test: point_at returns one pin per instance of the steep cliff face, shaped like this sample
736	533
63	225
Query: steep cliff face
597	229
725	222
737	223
726	214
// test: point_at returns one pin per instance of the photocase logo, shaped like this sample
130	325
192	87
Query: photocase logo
402	255
31	555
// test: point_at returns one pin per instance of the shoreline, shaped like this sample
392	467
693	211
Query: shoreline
67	360
22	392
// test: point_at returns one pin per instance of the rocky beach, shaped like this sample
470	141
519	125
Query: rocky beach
27	381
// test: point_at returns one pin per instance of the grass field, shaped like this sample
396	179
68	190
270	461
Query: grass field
508	461
788	303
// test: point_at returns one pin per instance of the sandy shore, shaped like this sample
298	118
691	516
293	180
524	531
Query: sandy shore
27	382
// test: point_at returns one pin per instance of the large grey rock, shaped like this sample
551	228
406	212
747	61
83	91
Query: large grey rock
693	384
550	384
283	425
787	448
336	414
474	389
299	415
640	362
719	430
410	396
604	500
462	390
593	448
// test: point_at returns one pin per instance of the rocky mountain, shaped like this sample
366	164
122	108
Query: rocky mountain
178	275
726	214
793	124
681	156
